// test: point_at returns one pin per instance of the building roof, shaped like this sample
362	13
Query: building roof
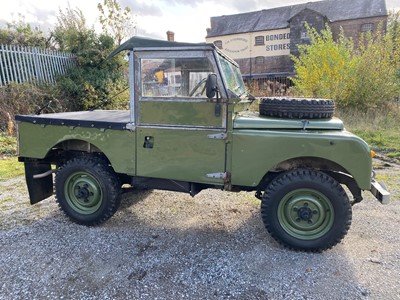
276	18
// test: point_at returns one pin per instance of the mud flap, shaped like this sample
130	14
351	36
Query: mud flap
39	188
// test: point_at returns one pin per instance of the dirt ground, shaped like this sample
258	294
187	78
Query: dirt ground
165	245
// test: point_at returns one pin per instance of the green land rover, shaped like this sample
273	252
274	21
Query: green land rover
189	128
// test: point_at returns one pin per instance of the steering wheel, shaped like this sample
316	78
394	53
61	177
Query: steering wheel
197	87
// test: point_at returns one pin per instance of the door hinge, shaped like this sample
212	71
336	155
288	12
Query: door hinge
216	175
130	126
218	136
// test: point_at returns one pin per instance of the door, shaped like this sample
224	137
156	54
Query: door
180	134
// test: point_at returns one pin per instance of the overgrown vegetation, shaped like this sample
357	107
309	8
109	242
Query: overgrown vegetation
22	34
95	81
364	76
380	128
8	145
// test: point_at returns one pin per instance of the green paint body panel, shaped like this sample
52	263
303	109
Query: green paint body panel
179	154
35	141
189	154
257	151
250	120
179	113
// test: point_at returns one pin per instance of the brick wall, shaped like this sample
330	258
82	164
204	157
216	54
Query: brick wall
352	28
298	31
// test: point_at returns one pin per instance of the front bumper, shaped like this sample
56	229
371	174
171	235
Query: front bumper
380	192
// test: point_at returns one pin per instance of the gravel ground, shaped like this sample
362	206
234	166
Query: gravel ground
165	245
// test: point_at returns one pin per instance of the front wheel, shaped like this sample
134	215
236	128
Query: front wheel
306	210
87	190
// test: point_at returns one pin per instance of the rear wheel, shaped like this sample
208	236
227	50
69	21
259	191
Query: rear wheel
306	210
87	190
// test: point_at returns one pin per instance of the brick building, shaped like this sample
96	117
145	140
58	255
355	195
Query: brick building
261	41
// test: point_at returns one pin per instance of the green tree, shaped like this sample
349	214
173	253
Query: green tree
374	81
115	20
94	79
325	67
21	33
363	78
71	32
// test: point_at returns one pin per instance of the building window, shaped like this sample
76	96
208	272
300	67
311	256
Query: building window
304	35
218	44
367	27
259	60
259	40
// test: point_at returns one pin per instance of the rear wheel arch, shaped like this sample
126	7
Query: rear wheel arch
67	149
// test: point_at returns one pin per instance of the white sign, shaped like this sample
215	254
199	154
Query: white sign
243	45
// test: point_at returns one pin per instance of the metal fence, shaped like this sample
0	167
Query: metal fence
270	85
26	64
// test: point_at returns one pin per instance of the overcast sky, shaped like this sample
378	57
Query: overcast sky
187	18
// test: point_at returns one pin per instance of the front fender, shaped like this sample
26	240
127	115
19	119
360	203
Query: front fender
255	152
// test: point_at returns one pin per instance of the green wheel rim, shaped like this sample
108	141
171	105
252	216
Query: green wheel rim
306	214
83	193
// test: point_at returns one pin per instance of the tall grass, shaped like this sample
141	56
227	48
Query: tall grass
380	127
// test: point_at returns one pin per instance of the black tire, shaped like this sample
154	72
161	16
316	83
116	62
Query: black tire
297	108
87	190
306	210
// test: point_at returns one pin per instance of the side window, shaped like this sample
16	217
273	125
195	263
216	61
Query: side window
174	77
218	44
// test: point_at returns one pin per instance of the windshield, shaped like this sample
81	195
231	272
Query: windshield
232	76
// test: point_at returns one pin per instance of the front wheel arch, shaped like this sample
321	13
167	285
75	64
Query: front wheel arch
329	167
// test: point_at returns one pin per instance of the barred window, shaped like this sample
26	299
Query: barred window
304	35
259	60
259	40
218	44
367	27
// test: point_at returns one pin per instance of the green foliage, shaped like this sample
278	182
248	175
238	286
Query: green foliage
22	34
365	78
394	34
24	99
115	20
375	77
94	79
71	32
325	67
379	127
8	145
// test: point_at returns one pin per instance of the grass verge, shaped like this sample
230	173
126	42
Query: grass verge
8	145
379	128
10	168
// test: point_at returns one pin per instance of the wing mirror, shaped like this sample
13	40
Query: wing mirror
211	85
212	90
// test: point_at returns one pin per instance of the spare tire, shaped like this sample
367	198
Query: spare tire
297	108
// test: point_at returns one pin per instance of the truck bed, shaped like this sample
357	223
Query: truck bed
111	119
